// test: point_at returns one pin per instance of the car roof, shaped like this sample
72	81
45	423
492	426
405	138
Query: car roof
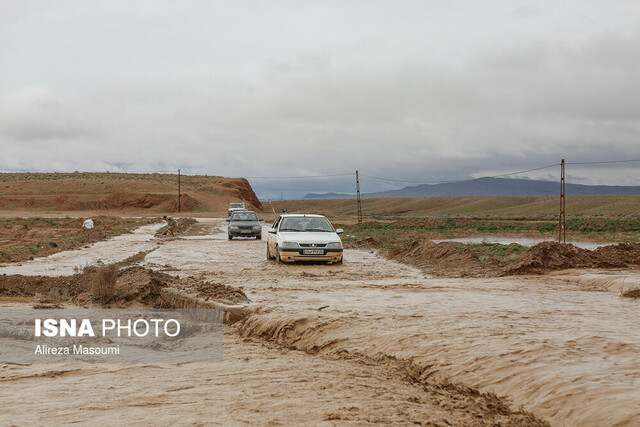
302	215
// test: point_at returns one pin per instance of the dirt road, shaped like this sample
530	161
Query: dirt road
393	345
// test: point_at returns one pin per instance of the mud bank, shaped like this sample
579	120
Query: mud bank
448	259
126	287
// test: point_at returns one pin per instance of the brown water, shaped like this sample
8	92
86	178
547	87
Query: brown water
568	354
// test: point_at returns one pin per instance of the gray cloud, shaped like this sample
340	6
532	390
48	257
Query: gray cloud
408	90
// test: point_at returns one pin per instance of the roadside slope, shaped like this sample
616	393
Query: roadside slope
121	191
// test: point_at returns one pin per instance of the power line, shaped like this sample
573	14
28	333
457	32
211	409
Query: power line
603	162
528	170
459	180
298	177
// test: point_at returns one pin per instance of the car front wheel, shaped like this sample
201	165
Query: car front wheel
278	260
269	257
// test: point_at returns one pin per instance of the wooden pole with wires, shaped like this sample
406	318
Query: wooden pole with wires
562	236
358	201
179	190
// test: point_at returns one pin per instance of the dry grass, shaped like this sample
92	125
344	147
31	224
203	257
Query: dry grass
104	285
632	293
532	207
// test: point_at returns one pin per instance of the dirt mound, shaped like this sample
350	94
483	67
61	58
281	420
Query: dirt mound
442	259
218	291
549	256
132	286
451	259
369	242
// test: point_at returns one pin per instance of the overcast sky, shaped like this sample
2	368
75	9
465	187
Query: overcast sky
408	90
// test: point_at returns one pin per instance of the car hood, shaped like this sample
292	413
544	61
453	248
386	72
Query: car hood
304	237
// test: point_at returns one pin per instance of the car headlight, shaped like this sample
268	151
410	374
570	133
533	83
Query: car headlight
233	227
256	227
334	245
289	245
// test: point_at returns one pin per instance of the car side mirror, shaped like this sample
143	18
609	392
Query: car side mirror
271	231
339	231
228	220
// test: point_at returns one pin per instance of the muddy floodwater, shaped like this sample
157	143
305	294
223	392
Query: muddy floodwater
566	352
518	240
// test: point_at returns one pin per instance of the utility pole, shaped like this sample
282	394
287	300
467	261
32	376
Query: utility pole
562	237
178	190
358	201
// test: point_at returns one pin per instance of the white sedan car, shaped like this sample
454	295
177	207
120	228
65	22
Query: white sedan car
303	237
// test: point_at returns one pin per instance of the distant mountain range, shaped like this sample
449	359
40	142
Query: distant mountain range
493	187
328	196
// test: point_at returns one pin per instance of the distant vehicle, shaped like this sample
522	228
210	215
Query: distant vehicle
233	207
244	224
304	237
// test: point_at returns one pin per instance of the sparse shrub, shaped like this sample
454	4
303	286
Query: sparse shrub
104	285
632	293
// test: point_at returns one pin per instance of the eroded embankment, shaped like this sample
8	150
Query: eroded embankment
466	405
449	259
124	286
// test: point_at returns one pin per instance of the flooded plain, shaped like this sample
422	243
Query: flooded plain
564	351
523	241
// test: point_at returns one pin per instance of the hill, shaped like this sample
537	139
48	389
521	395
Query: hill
123	191
543	207
502	187
328	196
491	187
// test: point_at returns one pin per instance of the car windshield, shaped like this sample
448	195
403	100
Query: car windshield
244	216
315	224
236	205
